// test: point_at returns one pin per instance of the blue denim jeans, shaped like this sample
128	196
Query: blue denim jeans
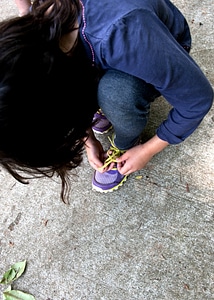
125	100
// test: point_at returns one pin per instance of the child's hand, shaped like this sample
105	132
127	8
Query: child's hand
23	6
133	159
137	157
96	155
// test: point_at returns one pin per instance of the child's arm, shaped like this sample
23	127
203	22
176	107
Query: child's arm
23	6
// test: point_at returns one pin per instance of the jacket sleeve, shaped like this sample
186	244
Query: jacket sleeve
142	45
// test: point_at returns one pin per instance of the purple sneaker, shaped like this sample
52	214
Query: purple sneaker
101	123
110	180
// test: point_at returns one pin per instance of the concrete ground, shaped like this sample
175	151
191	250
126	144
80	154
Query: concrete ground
153	239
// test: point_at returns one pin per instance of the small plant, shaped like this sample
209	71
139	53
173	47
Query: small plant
9	277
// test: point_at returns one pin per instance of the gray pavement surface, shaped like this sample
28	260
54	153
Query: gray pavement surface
153	239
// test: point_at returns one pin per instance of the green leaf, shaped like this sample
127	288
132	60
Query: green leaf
17	295
13	273
7	290
8	276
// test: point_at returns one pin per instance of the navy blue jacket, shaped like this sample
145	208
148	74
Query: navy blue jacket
150	39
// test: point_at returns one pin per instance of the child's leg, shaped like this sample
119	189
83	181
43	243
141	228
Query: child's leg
125	101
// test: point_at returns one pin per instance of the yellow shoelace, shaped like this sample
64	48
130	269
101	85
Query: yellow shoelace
113	153
100	112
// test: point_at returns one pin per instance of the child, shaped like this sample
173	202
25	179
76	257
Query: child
137	49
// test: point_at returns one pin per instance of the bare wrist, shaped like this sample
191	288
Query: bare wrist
90	139
156	145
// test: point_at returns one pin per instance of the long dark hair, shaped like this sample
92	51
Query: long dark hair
47	98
